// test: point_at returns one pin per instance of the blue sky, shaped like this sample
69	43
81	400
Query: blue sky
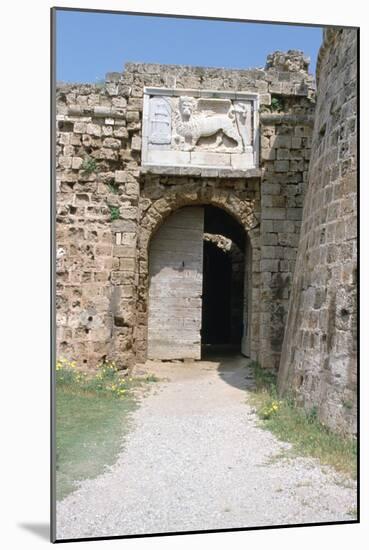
89	45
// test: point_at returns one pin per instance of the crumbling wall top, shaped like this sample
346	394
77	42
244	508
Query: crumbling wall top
290	61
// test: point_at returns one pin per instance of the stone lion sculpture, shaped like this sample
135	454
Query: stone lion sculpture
191	127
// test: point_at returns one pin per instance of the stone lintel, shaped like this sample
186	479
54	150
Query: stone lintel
197	93
98	111
202	171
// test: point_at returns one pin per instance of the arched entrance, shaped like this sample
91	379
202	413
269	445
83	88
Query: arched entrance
199	285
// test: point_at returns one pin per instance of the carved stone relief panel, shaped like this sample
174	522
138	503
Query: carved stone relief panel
160	120
200	128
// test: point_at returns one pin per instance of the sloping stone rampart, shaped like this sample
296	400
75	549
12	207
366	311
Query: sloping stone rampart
318	361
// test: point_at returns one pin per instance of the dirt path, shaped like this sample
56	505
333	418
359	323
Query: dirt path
196	459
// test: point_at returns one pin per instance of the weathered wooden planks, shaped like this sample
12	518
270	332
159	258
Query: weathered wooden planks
175	286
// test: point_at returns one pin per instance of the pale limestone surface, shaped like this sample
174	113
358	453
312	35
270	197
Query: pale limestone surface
200	128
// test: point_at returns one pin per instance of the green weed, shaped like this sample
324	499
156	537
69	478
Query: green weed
92	417
114	213
293	424
89	165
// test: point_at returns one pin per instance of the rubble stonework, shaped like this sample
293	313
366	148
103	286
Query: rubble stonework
109	203
319	352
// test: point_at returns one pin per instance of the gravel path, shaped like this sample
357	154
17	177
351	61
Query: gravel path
196	459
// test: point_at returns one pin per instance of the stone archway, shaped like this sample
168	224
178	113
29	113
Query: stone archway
156	211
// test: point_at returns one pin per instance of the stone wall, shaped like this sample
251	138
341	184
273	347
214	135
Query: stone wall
319	351
285	149
109	205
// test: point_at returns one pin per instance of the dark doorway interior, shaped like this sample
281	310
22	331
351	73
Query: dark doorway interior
223	277
216	301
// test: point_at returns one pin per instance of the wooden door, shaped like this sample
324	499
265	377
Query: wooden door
175	286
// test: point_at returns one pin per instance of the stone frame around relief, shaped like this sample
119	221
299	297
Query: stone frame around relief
165	155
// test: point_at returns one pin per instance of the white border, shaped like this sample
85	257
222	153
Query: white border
25	273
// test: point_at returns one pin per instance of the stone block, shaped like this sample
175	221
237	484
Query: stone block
93	130
122	251
75	140
280	141
283	154
65	162
269	265
128	239
128	213
296	143
82	198
120	176
77	163
268	153
286	226
126	289
132	188
265	142
127	264
297	165
278	201
288	239
262	86
79	127
270	188
284	266
281	165
111	88
68	151
112	143
105	154
136	143
242	161
273	213
120	132
302	131
103	250
270	239
267	226
107	130
275	88
173	158
135	104
210	159
269	252
294	213
265	99
132	116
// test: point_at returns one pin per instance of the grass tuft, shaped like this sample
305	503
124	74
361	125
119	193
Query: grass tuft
92	417
89	165
293	424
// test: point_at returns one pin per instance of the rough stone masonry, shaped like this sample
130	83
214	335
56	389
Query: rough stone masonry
154	139
319	351
110	203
